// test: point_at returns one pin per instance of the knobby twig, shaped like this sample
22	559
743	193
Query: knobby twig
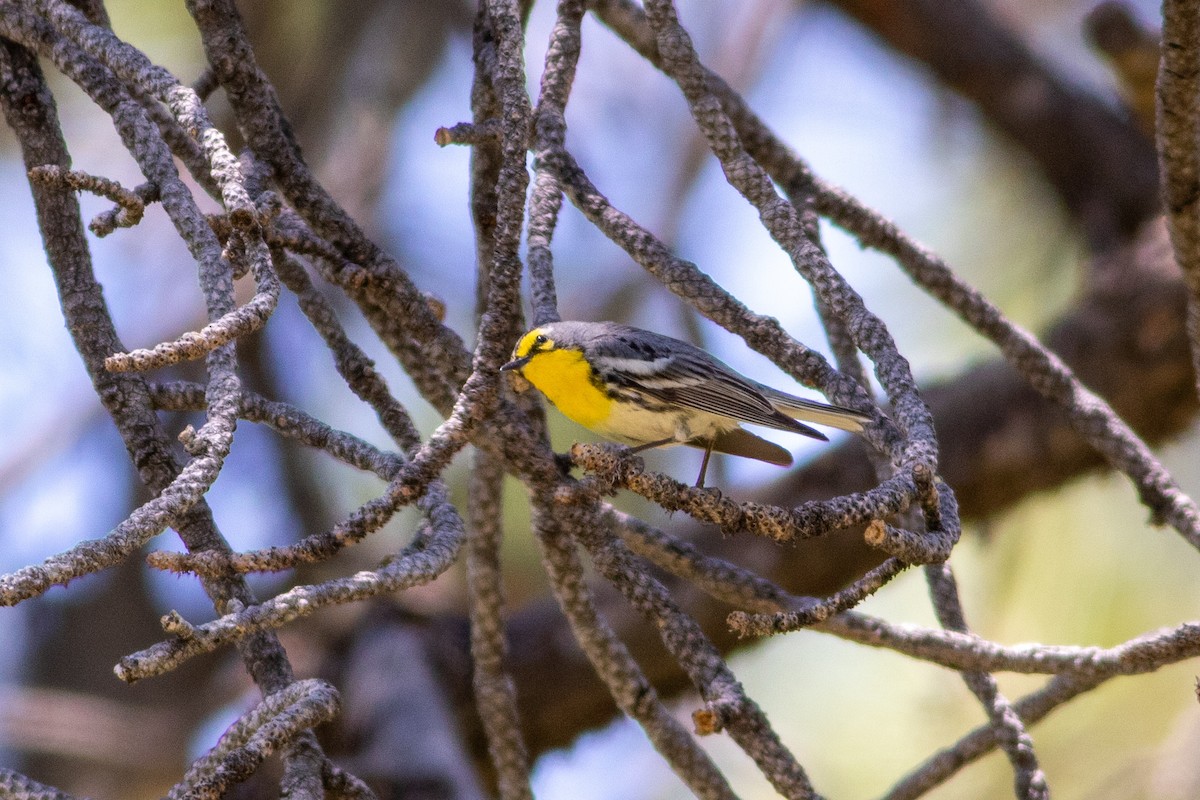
277	223
279	719
130	204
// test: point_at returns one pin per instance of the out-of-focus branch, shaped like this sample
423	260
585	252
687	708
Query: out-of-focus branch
397	715
1132	52
1177	90
1101	165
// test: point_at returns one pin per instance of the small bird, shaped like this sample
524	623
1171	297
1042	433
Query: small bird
647	390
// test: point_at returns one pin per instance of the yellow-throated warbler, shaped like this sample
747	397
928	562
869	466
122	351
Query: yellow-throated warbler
645	389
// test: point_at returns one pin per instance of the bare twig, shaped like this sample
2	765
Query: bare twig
627	684
494	693
179	502
258	733
615	467
130	204
431	553
550	131
230	327
1007	727
14	784
276	220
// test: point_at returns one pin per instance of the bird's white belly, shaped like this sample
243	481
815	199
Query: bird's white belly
631	424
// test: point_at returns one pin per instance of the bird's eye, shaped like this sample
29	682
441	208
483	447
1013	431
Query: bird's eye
539	340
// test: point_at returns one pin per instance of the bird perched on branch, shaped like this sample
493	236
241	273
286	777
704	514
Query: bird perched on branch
648	390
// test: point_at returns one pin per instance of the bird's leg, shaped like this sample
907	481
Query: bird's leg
704	464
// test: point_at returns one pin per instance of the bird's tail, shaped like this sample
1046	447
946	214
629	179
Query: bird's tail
820	413
741	442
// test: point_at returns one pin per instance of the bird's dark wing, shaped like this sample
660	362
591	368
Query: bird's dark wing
672	372
695	380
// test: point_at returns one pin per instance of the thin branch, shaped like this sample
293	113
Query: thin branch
550	131
1100	164
276	721
15	785
814	612
495	696
1031	709
429	555
1007	727
230	327
613	467
610	659
726	704
129	203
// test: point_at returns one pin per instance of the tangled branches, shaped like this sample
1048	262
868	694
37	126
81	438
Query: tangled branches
279	226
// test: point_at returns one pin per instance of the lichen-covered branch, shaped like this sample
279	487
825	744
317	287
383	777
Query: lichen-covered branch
637	611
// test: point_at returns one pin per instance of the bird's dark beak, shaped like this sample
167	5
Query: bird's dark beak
516	363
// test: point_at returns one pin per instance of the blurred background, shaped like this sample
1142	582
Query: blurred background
366	86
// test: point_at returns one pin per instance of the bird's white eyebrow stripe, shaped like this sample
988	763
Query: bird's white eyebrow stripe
635	366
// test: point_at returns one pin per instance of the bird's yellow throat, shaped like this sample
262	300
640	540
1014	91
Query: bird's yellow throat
565	377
